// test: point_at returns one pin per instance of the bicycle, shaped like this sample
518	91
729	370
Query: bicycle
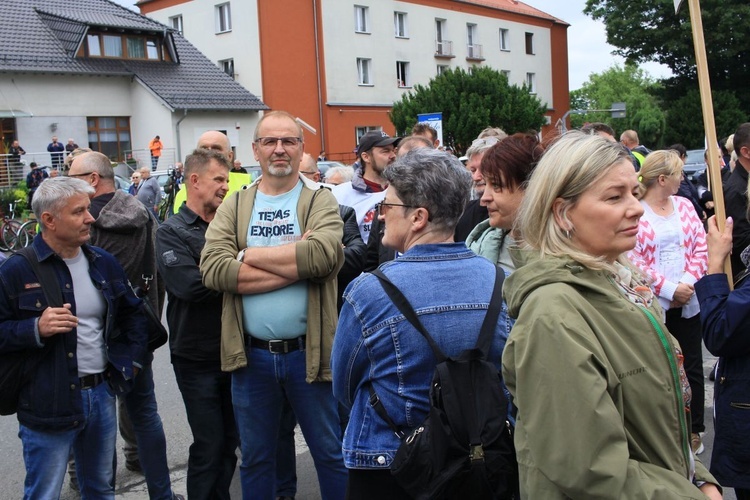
9	240
26	234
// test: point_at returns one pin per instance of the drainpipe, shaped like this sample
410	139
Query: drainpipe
317	69
177	135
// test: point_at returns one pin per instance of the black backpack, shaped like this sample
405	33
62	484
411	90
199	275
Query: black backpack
464	448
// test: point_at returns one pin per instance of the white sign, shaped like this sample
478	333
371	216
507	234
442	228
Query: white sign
677	5
434	120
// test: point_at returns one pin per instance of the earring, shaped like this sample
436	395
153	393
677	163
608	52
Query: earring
568	233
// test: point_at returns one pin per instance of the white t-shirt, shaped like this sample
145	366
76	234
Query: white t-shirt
90	310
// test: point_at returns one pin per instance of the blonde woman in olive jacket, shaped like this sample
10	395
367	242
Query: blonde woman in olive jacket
594	373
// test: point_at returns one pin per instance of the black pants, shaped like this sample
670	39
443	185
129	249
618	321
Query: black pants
207	393
742	494
373	484
687	331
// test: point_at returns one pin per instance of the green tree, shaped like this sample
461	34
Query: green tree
470	101
649	30
630	85
685	118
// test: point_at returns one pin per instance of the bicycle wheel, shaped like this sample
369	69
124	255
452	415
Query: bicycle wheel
26	233
9	234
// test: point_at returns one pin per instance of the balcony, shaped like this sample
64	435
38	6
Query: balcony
474	52
444	49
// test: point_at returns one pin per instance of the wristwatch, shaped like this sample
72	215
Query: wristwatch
241	255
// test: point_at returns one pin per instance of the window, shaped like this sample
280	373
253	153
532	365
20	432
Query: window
443	47
360	131
531	82
530	43
361	19
473	49
223	18
506	72
227	66
94	45
112	45
124	46
399	24
363	71
402	74
442	68
110	135
176	23
504	45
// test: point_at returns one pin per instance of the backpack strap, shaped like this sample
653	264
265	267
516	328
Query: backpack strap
403	305
484	342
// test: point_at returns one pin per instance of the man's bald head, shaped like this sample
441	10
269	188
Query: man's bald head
85	165
309	167
216	141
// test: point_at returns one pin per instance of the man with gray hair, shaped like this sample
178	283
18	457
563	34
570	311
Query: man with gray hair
75	356
339	175
127	229
149	192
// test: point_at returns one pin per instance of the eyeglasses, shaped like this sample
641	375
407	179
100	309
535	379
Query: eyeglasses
271	142
308	172
382	207
81	175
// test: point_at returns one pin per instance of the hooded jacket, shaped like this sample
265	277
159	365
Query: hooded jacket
601	412
120	228
319	258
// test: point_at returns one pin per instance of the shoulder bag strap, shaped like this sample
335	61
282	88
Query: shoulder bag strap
148	262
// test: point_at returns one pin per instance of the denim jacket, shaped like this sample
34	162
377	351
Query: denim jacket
51	399
449	287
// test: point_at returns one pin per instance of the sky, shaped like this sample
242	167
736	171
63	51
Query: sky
588	51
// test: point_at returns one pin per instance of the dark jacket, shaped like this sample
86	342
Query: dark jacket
474	213
193	311
354	251
735	202
377	253
120	229
725	317
688	190
51	400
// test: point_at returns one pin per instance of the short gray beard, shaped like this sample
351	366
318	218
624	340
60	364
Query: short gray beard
280	171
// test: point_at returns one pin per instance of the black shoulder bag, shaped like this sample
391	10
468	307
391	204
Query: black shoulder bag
16	368
464	448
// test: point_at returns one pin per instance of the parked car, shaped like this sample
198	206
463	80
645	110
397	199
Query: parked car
122	183
323	166
695	164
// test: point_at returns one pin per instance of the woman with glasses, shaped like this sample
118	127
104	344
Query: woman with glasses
593	371
448	286
671	251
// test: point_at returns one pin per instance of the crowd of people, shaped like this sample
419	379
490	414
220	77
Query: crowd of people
613	282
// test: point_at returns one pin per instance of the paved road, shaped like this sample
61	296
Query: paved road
131	486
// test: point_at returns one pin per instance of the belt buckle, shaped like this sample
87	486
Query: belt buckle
283	347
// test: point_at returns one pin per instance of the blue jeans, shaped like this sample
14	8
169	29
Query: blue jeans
286	455
45	453
154	162
207	393
258	393
149	434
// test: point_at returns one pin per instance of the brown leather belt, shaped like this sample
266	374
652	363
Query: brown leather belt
278	346
91	381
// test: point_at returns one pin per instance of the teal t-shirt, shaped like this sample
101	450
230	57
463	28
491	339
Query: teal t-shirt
282	313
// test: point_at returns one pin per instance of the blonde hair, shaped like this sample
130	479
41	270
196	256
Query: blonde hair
569	168
664	162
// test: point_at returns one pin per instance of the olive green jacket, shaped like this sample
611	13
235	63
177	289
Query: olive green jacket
601	412
319	258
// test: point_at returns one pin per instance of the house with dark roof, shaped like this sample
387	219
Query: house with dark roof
111	79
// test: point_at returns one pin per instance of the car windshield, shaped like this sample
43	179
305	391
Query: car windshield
695	156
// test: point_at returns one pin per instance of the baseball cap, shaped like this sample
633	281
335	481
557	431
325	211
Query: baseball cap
375	138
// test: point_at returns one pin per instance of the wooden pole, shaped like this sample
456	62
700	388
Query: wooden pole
709	125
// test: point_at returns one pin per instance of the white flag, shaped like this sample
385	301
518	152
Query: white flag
677	4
